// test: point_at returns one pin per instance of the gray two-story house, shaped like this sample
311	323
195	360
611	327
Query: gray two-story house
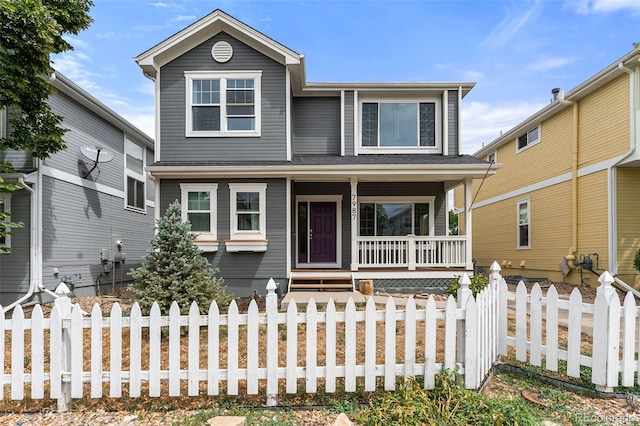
283	178
88	211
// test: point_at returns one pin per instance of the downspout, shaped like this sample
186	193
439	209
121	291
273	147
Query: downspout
571	256
35	233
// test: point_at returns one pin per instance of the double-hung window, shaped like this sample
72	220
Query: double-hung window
529	138
199	207
5	210
524	219
400	125
395	216
134	175
223	104
248	217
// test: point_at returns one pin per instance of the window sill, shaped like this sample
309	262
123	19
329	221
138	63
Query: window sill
256	246
207	246
228	134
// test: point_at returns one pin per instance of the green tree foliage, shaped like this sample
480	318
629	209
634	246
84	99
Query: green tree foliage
30	31
636	261
453	223
478	283
175	269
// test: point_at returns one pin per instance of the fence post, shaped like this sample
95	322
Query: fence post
462	296
494	276
272	343
607	380
64	305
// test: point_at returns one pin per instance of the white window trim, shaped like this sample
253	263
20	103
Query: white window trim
401	199
255	241
198	75
129	145
529	143
400	149
207	241
518	204
6	207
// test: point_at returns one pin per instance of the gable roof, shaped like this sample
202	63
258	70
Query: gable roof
218	21
615	70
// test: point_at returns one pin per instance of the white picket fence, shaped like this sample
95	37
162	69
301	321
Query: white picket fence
257	353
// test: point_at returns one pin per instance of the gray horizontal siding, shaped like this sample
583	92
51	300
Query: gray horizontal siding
452	125
20	160
14	266
243	269
316	126
349	123
271	145
78	223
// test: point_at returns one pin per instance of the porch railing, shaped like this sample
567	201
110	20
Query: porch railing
412	252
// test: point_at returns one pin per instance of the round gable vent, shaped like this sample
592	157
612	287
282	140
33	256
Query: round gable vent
222	51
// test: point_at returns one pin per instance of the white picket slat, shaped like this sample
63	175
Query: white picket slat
37	353
115	352
535	326
292	347
17	353
430	343
174	349
629	340
389	345
410	339
471	343
193	381
350	346
96	352
213	349
154	350
450	339
330	344
614	342
370	346
2	353
502	316
521	322
135	351
77	352
55	352
311	347
233	329
551	328
574	332
252	348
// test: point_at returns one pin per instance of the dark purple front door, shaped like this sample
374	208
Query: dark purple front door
317	232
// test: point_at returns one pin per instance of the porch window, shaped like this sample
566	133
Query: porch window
524	231
394	219
199	206
399	124
223	104
248	216
5	210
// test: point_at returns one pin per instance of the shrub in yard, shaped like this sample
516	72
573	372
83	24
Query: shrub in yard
174	268
636	261
478	283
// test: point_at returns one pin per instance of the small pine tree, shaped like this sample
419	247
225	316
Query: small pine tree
175	269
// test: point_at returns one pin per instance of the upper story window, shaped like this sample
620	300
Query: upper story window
5	208
199	207
524	230
396	216
492	158
248	217
134	175
528	139
223	104
402	126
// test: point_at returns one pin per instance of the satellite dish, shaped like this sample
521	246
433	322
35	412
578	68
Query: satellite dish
97	155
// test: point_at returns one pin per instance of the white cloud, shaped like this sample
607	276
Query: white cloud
182	18
511	24
546	63
143	121
482	122
596	6
474	75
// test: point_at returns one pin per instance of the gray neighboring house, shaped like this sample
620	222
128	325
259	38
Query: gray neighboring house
288	179
83	224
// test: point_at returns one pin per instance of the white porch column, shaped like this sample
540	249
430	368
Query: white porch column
353	213
467	222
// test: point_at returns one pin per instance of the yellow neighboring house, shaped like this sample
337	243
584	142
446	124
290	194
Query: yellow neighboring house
568	190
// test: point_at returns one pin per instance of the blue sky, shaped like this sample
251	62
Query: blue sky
516	51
